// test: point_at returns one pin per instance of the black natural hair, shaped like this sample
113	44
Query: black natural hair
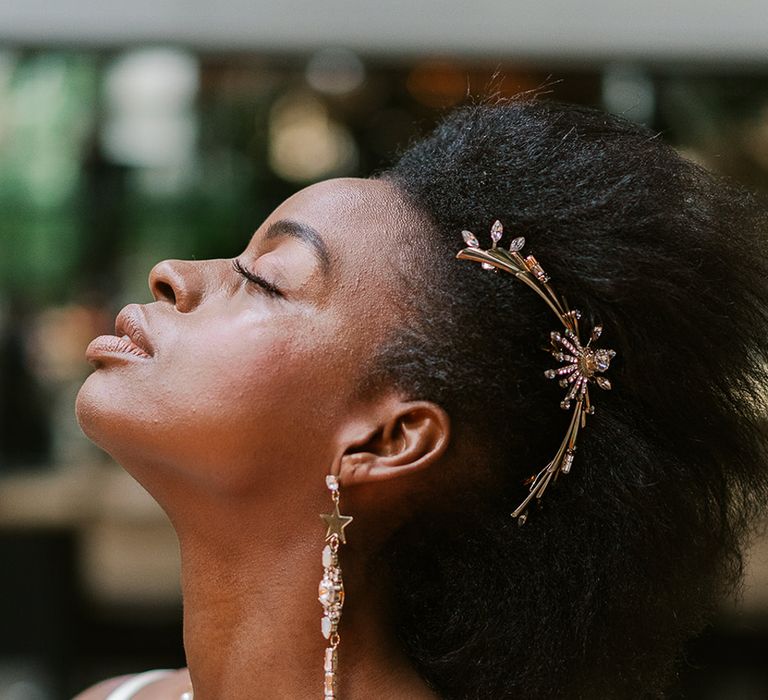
633	551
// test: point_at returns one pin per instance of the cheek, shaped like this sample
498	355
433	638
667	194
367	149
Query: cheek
233	404
230	403
238	395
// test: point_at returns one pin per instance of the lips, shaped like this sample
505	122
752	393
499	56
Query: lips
130	344
130	322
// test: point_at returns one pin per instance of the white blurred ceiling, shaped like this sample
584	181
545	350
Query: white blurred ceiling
652	30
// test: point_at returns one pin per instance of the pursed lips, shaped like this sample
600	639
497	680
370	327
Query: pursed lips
130	323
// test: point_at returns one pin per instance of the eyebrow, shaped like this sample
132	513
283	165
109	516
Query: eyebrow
304	233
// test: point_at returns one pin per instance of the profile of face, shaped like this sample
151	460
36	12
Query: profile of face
247	385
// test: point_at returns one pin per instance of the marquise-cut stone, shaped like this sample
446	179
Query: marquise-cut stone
470	239
516	244
496	231
326	626
327	556
603	383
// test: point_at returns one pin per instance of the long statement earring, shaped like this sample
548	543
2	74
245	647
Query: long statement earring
331	589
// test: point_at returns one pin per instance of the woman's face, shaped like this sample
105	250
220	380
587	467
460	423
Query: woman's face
242	384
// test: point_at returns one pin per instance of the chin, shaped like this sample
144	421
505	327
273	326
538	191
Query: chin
100	413
92	412
86	408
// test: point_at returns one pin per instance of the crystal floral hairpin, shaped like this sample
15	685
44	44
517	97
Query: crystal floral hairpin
582	364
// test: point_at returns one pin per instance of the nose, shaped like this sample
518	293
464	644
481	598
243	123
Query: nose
177	281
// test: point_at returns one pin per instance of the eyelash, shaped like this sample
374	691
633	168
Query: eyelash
268	287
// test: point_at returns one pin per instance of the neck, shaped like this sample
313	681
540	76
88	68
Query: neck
252	617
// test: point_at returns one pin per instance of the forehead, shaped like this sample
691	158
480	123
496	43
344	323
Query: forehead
369	230
364	225
348	212
362	222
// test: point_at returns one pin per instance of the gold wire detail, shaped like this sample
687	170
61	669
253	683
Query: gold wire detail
580	363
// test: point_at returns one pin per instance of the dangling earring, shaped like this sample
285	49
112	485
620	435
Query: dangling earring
331	589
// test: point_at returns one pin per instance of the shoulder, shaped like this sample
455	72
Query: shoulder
176	679
101	690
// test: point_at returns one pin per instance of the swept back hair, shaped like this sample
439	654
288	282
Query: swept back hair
634	550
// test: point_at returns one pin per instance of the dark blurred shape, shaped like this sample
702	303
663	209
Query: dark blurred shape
39	605
25	432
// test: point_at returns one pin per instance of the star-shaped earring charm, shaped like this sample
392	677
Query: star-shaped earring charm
336	523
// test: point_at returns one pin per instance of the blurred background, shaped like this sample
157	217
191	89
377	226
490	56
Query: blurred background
133	132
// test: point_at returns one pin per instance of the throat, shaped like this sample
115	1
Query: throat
252	626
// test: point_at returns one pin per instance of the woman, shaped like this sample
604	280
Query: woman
364	349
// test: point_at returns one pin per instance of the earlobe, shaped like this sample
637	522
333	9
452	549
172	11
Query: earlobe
400	438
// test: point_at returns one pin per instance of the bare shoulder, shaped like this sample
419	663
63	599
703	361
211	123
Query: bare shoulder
101	690
177	681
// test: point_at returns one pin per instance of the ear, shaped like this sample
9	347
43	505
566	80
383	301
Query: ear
393	438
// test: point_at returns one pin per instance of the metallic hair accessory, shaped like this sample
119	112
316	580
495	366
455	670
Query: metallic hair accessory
582	362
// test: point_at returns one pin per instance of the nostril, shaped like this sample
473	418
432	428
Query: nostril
166	291
178	282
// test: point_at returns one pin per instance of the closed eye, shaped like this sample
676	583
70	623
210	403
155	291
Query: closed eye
258	280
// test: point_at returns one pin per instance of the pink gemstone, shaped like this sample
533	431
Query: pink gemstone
470	239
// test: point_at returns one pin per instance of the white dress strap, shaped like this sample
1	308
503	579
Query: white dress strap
133	685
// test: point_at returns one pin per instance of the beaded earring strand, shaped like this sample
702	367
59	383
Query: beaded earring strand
331	588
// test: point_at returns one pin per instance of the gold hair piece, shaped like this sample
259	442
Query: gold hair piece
582	362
